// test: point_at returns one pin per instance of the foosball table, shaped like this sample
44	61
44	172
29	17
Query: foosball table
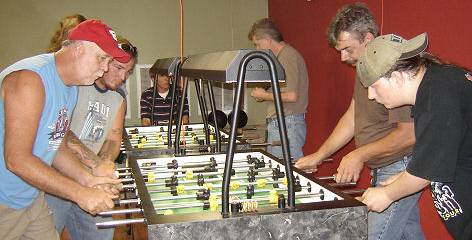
142	141
180	198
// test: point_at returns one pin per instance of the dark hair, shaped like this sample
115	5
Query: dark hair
353	18
414	64
265	27
66	24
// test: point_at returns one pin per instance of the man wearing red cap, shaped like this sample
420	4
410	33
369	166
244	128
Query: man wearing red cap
95	136
37	97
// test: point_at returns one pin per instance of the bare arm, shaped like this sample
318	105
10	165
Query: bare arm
401	138
24	97
66	162
341	135
262	95
81	152
379	198
111	147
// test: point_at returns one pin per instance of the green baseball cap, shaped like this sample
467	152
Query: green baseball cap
383	52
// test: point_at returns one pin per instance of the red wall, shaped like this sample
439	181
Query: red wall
303	24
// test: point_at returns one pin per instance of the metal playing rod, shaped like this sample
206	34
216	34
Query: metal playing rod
178	125
120	211
213	110
114	223
173	93
203	107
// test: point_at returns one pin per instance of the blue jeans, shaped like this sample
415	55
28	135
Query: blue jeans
80	224
402	219
296	133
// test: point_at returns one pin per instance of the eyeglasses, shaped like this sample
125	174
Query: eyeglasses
128	48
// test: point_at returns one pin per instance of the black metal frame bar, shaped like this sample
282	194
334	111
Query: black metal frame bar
213	110
282	129
176	76
203	108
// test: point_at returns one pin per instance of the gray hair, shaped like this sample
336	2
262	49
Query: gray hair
265	28
355	19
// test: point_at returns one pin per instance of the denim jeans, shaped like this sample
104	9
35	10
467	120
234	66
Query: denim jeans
296	133
80	224
402	219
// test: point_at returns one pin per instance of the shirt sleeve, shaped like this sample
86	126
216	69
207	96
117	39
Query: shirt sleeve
438	138
145	105
292	71
400	114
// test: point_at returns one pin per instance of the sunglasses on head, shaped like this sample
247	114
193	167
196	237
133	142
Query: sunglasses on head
130	49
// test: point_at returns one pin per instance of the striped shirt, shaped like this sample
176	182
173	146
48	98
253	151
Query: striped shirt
161	107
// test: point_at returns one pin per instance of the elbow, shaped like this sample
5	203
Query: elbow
292	98
411	141
406	134
11	164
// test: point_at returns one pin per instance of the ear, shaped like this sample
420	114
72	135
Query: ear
397	79
78	49
368	37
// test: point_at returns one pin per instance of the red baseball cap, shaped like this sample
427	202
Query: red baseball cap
95	31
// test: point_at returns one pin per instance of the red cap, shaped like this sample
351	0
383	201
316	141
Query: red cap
95	31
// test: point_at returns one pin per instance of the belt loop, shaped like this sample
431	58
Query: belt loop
373	181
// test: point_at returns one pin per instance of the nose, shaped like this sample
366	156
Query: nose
104	65
344	56
371	93
124	76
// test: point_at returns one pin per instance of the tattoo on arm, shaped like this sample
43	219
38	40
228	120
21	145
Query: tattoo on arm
83	153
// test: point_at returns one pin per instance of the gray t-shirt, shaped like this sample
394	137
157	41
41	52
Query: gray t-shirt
94	115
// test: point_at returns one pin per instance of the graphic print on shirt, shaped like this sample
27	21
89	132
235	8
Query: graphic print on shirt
468	76
95	122
444	201
58	129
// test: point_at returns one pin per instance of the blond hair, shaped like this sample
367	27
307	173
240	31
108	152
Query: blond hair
66	24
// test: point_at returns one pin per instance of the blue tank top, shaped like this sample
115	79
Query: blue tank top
54	123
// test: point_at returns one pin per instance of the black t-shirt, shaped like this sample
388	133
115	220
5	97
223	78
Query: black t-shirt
443	124
443	149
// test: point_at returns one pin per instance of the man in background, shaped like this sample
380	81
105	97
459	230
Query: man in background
156	103
265	35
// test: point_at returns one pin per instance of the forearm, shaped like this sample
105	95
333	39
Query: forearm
35	172
67	163
81	152
111	146
285	96
400	139
341	135
110	150
405	185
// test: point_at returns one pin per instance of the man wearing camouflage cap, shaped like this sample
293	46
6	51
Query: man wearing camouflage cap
398	72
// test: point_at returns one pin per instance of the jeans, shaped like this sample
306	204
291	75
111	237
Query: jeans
80	224
401	220
296	133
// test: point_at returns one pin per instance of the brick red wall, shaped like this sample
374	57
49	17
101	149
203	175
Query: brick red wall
303	24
